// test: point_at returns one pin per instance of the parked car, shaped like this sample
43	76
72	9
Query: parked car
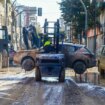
78	57
101	60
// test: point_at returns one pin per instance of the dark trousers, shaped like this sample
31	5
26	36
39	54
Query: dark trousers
26	42
49	49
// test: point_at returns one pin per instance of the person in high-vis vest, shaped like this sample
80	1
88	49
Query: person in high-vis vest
47	43
47	46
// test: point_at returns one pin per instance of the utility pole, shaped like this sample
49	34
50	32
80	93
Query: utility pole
85	9
104	29
94	1
57	37
20	32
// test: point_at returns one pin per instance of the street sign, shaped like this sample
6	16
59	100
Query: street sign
39	11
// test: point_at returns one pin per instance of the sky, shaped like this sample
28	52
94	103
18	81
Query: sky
50	8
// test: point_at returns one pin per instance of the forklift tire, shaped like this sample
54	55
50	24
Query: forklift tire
38	74
62	76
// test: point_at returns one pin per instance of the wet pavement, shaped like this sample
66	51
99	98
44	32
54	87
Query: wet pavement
20	88
94	91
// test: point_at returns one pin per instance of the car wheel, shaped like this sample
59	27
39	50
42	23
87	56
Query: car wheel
38	74
79	67
28	64
62	76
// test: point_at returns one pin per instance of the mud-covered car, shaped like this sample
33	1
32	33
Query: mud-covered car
26	58
101	60
78	57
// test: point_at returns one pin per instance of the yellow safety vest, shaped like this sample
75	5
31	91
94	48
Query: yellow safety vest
47	43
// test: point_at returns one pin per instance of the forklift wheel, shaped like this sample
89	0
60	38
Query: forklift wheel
38	74
62	76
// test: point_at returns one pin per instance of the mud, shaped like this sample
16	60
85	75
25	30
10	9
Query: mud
48	92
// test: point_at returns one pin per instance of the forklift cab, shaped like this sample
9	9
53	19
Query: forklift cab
3	39
3	47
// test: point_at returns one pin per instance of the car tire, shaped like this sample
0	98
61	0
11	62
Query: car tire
62	76
28	64
37	74
79	67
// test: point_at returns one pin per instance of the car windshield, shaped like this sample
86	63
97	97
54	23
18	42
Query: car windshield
70	48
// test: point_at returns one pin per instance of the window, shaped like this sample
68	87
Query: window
2	34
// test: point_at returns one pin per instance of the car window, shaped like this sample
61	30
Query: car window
83	50
70	48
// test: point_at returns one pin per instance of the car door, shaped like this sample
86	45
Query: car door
63	49
69	50
102	58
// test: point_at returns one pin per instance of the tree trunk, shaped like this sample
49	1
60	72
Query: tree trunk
4	59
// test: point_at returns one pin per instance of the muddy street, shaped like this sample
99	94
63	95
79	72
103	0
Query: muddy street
22	89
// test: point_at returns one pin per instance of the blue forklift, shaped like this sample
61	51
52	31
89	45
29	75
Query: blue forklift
51	64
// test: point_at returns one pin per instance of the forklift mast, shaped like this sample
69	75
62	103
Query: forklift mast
56	32
51	64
